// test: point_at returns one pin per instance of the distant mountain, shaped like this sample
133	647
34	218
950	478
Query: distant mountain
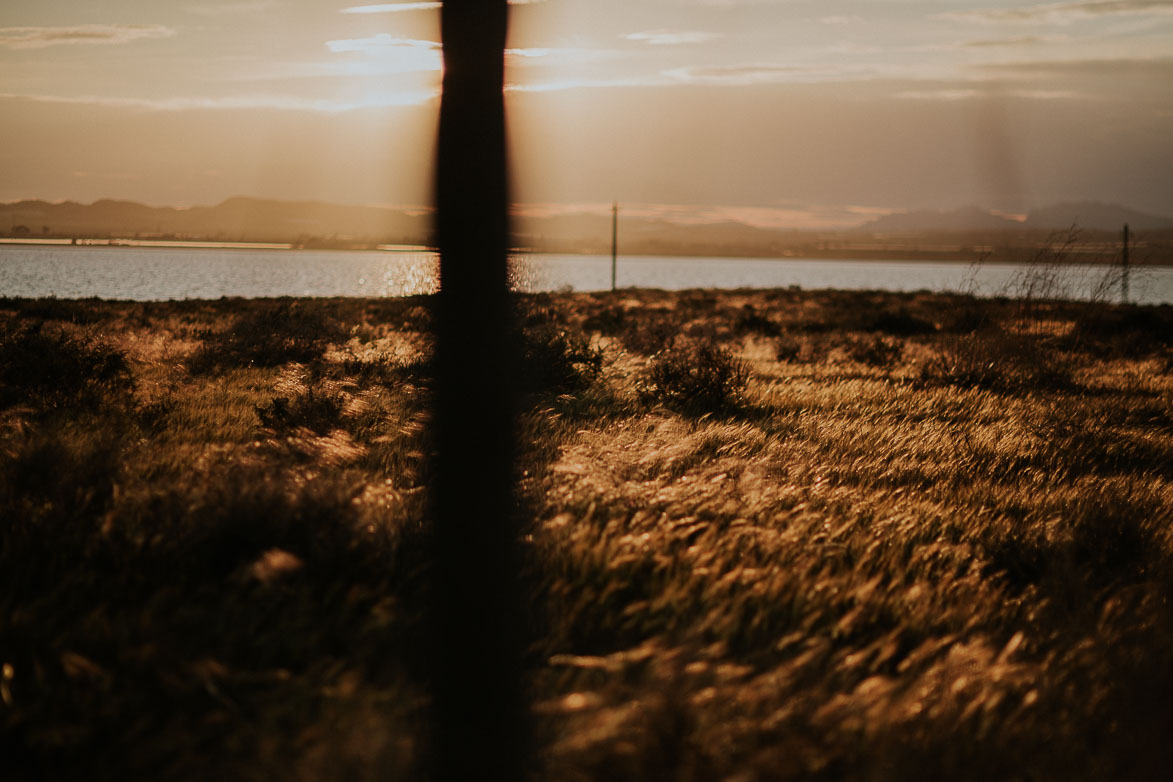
969	218
235	219
1095	217
1087	215
313	224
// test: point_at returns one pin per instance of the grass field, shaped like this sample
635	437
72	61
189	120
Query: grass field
770	535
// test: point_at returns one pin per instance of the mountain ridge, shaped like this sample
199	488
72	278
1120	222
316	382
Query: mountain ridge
322	224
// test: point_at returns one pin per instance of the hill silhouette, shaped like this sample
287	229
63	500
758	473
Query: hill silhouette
236	219
1096	216
909	235
1087	215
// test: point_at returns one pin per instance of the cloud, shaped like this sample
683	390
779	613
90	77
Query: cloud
380	43
1159	70
736	74
390	54
575	84
671	37
231	9
235	103
1024	40
1063	13
561	56
737	3
40	37
392	8
969	93
770	73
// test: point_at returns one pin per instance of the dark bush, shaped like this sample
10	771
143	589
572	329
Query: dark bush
227	524
787	348
268	336
608	321
967	318
999	361
750	321
317	409
51	368
874	351
900	323
154	416
55	486
1131	331
555	359
82	311
379	370
695	377
656	334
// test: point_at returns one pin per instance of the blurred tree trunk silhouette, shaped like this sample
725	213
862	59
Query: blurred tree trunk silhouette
479	727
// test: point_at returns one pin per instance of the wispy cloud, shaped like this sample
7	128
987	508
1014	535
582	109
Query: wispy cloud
380	43
969	93
235	103
997	43
1155	70
671	37
575	84
774	73
392	54
562	56
736	3
40	37
231	9
392	8
1063	13
841	19
737	74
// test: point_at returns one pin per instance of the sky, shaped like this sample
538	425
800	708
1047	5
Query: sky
803	113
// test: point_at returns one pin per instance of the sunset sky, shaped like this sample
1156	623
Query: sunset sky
802	112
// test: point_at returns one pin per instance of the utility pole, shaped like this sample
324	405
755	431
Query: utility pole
1124	268
614	241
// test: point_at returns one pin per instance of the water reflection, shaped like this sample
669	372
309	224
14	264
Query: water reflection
154	274
409	275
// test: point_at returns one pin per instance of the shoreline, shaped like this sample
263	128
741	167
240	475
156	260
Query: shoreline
1091	258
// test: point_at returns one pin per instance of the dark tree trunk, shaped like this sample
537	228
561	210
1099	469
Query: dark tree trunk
478	708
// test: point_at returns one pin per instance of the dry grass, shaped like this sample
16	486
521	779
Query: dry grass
929	537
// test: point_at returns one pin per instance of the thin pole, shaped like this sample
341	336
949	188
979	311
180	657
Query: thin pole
475	619
1124	268
614	241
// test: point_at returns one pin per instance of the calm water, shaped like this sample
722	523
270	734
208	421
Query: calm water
159	274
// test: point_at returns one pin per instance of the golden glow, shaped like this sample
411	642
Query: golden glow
784	107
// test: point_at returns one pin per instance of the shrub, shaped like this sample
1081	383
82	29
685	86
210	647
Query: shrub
1130	331
999	360
874	351
269	336
608	321
317	409
900	323
750	321
695	377
787	348
658	333
80	312
554	358
51	368
967	318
